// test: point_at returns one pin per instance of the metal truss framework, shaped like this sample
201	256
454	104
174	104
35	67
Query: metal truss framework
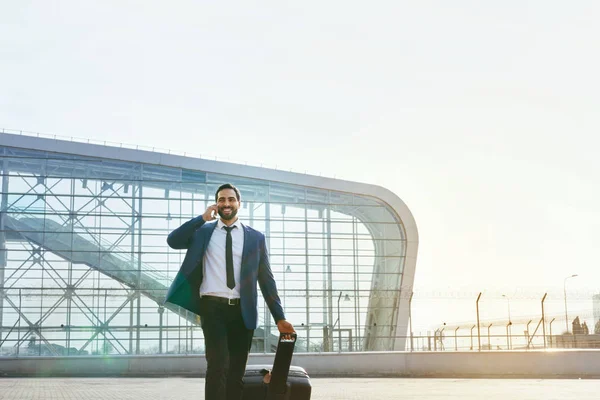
77	245
71	217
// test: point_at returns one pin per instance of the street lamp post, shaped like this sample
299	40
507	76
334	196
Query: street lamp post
544	319
551	331
338	322
478	329
509	321
442	337
565	293
508	336
455	339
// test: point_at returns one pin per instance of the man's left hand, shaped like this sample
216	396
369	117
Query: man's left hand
285	327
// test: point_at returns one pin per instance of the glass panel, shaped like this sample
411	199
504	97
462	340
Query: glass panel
87	253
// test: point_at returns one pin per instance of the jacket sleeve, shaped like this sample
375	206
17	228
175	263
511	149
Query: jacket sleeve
267	284
181	238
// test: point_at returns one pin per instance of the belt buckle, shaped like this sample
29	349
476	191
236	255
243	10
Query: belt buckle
229	302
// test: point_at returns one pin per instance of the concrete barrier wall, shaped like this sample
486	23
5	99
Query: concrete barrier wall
532	364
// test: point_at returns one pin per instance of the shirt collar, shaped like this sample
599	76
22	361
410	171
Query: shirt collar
237	224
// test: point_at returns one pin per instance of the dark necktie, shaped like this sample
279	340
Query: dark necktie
229	257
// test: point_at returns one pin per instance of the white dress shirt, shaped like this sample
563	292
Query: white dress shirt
215	265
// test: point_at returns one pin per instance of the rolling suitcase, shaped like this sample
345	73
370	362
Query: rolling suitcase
282	382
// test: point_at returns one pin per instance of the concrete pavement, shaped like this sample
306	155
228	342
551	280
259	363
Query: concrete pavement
323	389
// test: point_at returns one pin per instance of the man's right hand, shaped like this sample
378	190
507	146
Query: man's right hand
211	213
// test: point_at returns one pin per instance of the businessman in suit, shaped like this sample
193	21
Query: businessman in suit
217	281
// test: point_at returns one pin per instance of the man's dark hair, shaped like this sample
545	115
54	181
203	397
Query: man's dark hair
227	186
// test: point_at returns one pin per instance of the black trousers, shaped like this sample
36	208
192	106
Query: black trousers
227	343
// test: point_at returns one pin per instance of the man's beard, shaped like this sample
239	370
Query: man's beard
228	217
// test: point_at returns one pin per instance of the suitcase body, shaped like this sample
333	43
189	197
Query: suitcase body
285	383
299	386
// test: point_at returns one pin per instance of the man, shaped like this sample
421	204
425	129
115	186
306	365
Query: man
217	281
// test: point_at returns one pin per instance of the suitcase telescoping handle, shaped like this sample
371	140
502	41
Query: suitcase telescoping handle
278	387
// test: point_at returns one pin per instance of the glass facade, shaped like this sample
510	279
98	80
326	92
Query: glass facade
84	264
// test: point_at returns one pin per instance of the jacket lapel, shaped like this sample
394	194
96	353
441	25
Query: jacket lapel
207	231
247	246
204	234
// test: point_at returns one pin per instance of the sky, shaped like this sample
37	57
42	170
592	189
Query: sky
481	116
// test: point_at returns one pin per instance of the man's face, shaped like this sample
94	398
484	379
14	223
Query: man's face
228	204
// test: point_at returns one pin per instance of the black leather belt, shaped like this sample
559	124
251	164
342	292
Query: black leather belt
229	302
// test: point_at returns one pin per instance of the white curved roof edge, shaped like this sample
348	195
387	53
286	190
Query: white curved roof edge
219	167
259	173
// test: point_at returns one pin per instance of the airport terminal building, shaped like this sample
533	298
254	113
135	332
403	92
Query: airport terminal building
84	263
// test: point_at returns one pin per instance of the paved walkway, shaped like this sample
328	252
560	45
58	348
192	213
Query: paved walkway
323	389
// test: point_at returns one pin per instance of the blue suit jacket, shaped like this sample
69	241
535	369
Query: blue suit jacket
194	236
